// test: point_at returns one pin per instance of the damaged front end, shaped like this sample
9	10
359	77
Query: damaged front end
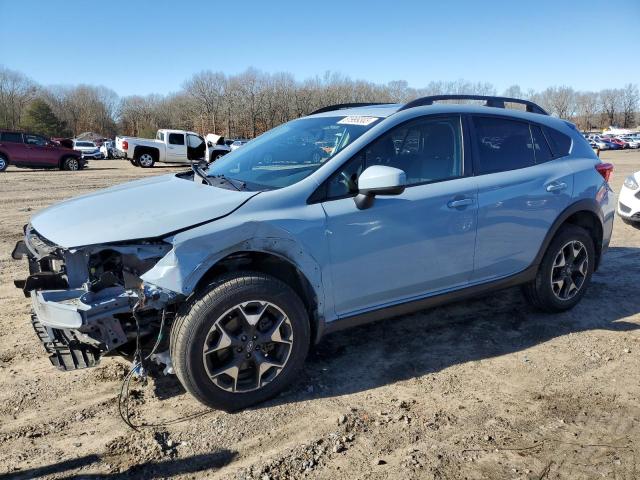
90	301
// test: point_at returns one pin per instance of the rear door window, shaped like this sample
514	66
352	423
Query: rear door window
559	142
11	137
502	144
176	139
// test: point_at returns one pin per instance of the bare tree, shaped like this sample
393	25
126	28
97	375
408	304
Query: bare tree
16	92
629	100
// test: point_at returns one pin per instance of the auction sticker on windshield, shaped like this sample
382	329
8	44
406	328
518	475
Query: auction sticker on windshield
357	120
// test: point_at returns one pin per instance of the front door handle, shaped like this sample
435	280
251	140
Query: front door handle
462	202
556	186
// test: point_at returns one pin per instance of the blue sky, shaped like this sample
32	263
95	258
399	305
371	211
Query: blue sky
141	47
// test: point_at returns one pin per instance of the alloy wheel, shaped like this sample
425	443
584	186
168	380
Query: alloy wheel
72	164
569	270
3	163
145	160
248	346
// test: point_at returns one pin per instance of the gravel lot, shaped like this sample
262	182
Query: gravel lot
481	389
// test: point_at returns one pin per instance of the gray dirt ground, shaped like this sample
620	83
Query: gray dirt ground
482	389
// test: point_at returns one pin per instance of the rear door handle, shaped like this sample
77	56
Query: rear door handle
556	186
462	202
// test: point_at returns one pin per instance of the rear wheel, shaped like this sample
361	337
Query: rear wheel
565	271
146	160
4	163
241	341
71	163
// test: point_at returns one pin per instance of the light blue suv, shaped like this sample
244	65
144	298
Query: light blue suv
227	273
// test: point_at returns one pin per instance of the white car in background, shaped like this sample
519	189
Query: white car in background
629	200
88	149
107	149
632	141
599	144
237	144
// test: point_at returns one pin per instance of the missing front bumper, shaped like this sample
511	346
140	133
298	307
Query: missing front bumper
64	352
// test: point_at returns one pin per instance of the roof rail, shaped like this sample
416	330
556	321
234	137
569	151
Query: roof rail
490	101
341	106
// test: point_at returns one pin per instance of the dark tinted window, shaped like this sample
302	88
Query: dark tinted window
176	139
503	144
428	149
11	137
540	145
560	143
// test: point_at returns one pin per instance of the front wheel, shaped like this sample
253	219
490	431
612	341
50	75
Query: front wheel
565	271
240	341
4	163
71	163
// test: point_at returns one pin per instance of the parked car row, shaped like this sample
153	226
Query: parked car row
611	142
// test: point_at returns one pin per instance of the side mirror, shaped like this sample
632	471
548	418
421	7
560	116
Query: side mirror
379	180
209	144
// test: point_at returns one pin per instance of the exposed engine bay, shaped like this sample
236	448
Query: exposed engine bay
91	301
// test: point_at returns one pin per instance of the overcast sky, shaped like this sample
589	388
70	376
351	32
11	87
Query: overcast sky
141	47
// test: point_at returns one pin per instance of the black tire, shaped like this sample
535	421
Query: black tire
541	293
71	164
134	162
4	163
196	321
146	159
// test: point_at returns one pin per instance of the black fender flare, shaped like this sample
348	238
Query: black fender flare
584	205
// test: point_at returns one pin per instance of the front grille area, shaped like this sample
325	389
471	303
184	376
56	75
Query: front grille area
624	208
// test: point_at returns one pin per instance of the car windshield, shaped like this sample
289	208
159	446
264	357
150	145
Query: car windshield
290	152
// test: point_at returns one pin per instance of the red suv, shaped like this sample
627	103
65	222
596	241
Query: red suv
35	151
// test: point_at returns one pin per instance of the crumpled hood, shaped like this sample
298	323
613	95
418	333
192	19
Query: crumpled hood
145	208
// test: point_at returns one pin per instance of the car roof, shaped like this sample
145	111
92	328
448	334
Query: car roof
386	110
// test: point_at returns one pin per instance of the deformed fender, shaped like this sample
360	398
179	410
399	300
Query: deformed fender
192	256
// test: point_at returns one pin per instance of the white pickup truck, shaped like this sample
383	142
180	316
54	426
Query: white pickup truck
170	146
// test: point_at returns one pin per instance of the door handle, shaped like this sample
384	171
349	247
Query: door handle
462	202
556	186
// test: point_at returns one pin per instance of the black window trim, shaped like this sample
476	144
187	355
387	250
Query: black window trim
554	154
535	155
320	194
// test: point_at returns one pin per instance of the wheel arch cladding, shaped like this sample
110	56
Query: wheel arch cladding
585	214
191	265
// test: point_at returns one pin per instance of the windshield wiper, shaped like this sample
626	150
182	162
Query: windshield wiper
197	170
237	184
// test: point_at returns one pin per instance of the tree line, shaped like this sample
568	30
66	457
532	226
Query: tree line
249	103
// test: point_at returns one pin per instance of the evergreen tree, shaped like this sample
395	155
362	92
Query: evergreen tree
39	118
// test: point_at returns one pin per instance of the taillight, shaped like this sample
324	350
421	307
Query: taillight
605	169
125	145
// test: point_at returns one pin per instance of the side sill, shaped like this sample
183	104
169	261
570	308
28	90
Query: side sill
430	302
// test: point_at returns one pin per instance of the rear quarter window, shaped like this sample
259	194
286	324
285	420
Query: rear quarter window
11	137
559	142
